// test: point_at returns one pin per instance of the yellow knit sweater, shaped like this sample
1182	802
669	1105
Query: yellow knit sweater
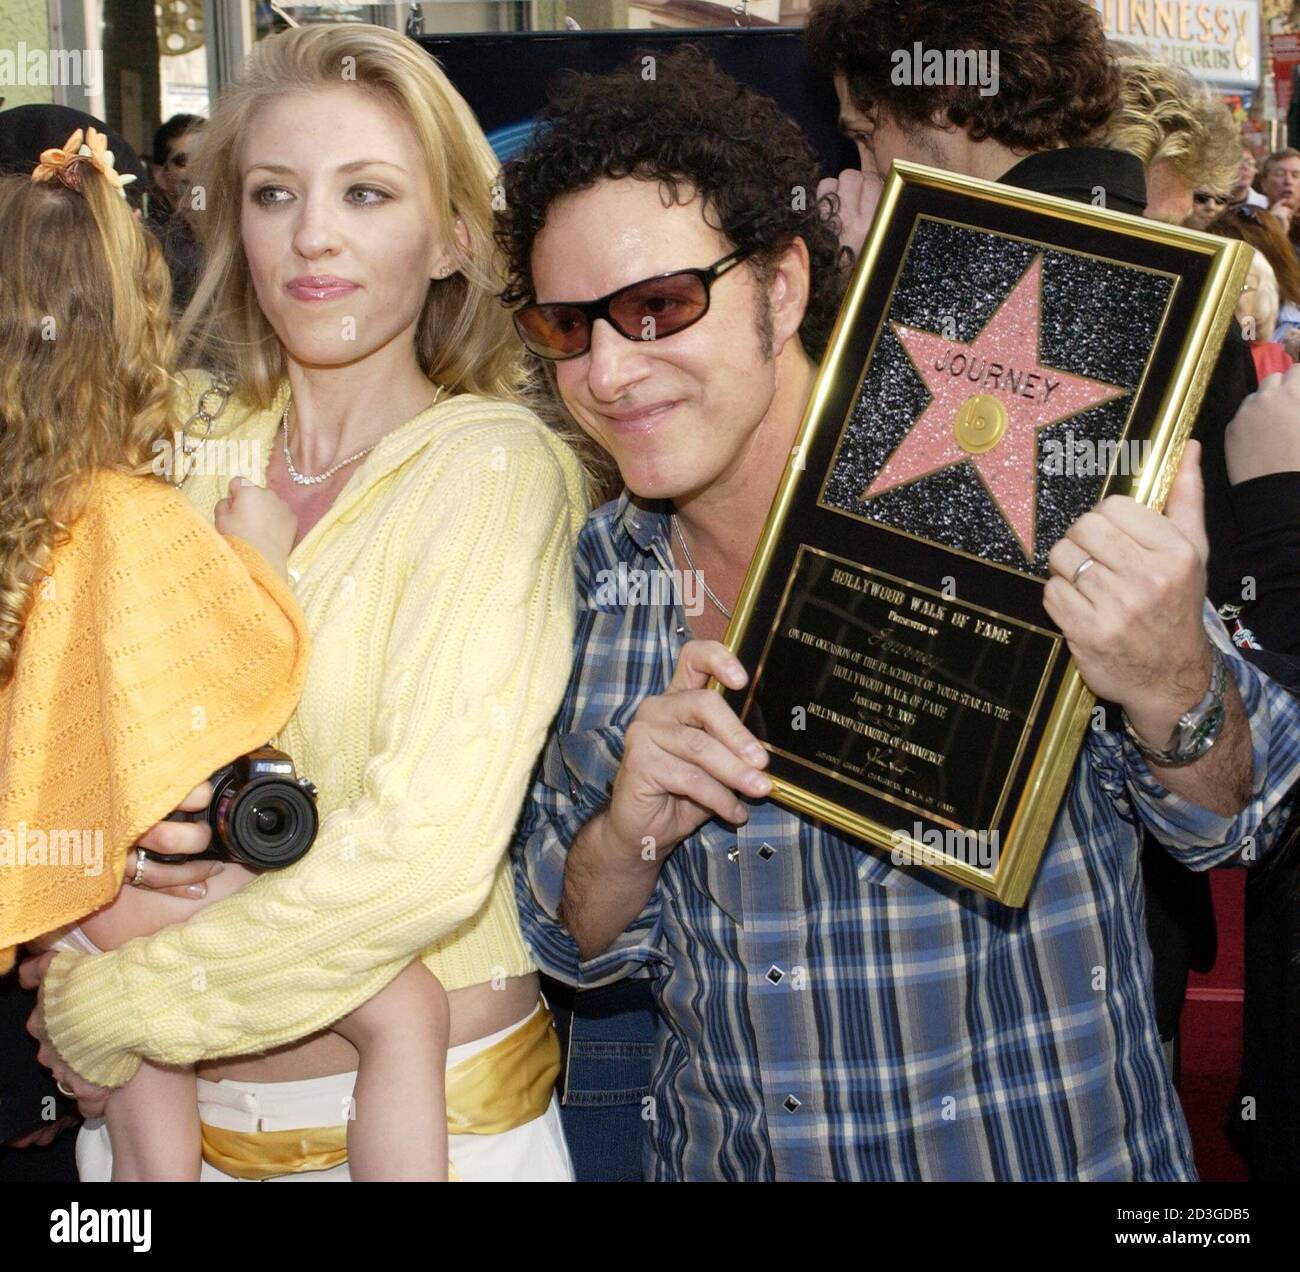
439	593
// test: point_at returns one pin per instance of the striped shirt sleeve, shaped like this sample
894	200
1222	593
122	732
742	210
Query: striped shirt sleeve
1194	835
571	785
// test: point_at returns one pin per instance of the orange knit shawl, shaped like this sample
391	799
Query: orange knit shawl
155	652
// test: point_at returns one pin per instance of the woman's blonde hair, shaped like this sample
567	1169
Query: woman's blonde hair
464	339
86	367
1164	115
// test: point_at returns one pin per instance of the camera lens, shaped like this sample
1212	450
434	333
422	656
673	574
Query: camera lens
270	821
270	825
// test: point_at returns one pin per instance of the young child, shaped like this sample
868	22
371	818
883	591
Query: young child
140	649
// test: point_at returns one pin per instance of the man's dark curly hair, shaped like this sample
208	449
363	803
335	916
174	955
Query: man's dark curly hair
1057	79
698	132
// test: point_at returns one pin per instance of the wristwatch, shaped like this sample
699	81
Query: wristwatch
1198	729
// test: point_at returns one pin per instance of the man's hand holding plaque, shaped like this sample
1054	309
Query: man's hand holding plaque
686	756
1132	618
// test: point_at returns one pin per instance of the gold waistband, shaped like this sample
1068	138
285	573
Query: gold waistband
503	1086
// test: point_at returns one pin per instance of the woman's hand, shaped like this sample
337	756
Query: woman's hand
1264	436
260	517
178	880
170	837
90	1098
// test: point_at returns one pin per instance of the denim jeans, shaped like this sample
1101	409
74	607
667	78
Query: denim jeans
607	1038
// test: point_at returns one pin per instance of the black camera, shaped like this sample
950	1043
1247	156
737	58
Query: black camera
262	814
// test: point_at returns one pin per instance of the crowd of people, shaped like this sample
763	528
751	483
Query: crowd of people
552	924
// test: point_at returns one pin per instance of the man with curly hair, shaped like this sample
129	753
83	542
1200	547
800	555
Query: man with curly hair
772	315
1082	120
1057	89
823	1012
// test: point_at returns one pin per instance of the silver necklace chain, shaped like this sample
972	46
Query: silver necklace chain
699	574
301	479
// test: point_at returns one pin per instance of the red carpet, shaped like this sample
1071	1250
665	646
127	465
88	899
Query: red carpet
1211	1035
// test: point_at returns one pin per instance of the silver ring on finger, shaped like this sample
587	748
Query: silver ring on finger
1081	569
137	879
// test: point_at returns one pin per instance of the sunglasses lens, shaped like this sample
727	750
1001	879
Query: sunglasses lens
643	311
553	331
659	306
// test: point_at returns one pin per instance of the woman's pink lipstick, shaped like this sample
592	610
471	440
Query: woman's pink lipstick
319	287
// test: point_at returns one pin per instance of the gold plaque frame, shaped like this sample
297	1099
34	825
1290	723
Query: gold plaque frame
1223	265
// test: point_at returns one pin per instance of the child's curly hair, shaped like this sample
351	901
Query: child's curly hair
86	367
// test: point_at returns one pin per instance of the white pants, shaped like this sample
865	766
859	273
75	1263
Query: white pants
73	938
532	1153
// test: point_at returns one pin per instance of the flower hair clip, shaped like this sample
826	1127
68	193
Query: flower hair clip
63	163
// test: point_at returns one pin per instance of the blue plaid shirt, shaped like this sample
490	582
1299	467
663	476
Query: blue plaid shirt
825	1014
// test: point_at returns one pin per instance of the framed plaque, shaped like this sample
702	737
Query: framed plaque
1003	360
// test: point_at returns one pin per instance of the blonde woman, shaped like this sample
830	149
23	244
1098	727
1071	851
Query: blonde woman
350	289
80	497
1257	309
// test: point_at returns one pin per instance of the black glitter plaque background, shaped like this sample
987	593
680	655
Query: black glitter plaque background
1100	319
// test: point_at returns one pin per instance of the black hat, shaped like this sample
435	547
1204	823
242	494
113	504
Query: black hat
25	131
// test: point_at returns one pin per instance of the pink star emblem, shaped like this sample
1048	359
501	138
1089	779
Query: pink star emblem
1001	366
